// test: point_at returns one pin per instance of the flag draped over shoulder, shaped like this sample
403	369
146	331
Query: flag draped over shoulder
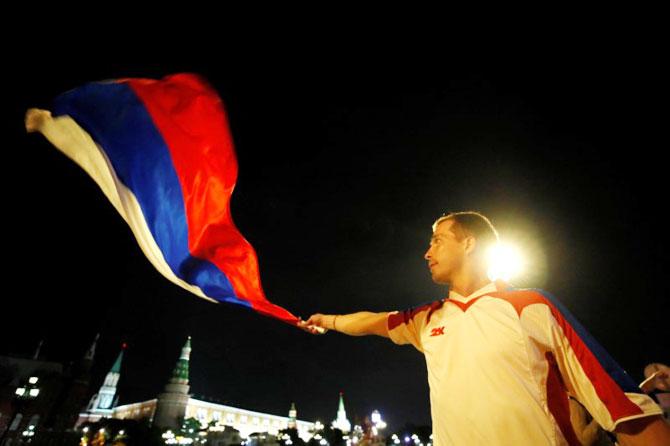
162	152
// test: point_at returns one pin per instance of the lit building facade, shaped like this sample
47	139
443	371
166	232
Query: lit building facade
245	421
175	404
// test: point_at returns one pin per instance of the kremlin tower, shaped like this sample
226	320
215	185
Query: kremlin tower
292	416
171	404
341	422
102	403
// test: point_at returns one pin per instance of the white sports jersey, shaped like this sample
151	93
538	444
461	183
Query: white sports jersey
501	363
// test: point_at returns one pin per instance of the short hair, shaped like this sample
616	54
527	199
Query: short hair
471	223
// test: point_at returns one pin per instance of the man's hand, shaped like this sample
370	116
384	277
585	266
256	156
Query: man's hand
35	119
659	380
317	323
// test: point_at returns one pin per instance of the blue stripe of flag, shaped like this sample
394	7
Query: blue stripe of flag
613	369
118	121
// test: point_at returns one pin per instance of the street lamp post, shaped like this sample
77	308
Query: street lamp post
30	391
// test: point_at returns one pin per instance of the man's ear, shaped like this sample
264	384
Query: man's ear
470	244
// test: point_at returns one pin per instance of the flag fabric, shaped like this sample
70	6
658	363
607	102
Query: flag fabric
162	153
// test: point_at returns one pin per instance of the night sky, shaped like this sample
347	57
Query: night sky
344	164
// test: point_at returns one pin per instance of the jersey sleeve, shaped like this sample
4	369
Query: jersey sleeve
405	327
590	374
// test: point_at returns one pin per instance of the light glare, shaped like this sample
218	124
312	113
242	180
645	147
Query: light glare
505	262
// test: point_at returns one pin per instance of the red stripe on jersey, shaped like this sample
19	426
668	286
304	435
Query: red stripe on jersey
404	317
464	306
611	395
557	400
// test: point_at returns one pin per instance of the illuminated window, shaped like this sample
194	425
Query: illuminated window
230	418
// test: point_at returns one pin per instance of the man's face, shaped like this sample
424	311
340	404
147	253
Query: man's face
446	253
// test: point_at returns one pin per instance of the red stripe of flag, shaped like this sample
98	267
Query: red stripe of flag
207	172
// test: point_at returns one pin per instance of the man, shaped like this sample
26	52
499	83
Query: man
502	362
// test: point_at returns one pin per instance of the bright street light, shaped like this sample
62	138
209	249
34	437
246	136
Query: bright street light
505	262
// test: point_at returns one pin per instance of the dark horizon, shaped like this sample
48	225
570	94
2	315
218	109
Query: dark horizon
342	170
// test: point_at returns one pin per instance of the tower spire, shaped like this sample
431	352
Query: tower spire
91	351
103	402
116	368
180	371
341	422
39	347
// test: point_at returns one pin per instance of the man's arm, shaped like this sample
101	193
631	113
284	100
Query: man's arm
354	324
643	432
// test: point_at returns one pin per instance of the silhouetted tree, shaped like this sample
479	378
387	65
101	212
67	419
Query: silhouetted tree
293	434
333	436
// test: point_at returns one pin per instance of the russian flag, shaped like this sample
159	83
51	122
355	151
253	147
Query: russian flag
162	153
